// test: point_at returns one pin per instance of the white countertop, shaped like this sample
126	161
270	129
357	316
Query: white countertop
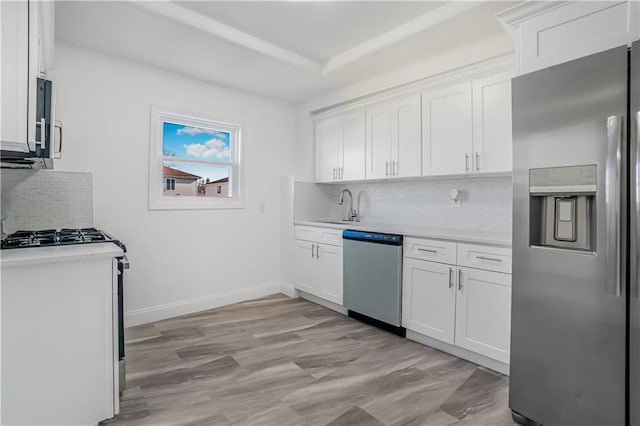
68	253
449	234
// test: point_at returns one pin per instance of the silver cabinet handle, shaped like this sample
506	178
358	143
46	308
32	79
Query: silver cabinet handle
386	169
450	277
317	251
637	202
58	126
427	250
493	259
612	197
459	279
341	173
466	161
477	161
396	167
313	247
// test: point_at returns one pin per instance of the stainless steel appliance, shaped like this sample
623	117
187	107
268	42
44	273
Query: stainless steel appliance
63	237
575	308
372	274
48	134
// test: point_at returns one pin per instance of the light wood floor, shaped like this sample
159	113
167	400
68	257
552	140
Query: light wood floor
282	361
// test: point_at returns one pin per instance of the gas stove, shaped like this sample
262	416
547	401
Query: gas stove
52	237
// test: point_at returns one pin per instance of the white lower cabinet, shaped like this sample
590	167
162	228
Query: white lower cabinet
329	285
318	270
465	307
306	266
483	313
429	298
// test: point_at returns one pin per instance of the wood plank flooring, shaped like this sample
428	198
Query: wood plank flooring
282	361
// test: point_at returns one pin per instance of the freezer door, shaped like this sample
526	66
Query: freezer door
634	291
568	342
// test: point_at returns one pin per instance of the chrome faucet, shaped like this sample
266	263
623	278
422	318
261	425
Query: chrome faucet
353	214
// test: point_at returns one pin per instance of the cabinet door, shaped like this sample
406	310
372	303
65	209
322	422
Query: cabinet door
330	273
407	134
492	143
328	140
428	298
483	313
352	157
447	130
306	266
15	75
379	140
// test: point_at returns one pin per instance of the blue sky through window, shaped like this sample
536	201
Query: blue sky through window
179	140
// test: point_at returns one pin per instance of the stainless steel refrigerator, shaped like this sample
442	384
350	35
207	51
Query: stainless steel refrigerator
575	337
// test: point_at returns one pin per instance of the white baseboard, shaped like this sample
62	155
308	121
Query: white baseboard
482	360
289	290
320	301
183	307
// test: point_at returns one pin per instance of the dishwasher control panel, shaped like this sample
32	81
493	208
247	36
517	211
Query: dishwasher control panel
374	237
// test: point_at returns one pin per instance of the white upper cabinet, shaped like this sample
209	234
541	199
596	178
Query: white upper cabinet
26	55
393	139
351	163
328	141
492	138
378	148
340	148
447	130
550	33
15	75
406	148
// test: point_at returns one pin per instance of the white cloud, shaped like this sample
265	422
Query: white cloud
212	148
193	131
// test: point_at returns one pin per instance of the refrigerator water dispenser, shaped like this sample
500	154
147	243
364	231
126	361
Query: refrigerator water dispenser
562	207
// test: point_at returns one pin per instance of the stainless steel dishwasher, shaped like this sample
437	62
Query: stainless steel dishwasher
373	278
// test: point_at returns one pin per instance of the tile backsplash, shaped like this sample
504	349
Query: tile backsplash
46	199
486	202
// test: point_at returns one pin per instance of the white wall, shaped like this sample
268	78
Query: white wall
181	261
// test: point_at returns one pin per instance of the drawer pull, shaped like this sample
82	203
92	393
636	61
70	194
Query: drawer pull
493	259
450	277
427	250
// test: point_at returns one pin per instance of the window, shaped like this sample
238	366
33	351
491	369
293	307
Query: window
194	164
171	184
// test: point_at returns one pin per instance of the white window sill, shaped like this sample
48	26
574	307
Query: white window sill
199	204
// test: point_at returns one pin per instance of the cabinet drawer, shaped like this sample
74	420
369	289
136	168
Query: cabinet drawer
489	258
433	250
330	236
307	233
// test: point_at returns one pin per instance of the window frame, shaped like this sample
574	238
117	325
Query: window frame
158	201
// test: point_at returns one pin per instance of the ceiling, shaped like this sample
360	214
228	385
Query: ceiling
293	50
333	28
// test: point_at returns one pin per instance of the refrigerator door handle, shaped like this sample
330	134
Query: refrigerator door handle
637	183
612	195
